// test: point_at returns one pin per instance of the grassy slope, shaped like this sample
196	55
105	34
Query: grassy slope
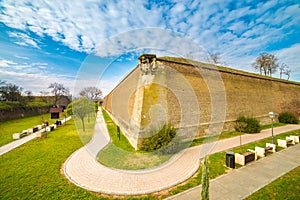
121	155
7	128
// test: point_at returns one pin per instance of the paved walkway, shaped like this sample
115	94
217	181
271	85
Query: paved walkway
82	168
242	182
12	145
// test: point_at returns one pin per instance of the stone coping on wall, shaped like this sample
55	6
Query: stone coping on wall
184	61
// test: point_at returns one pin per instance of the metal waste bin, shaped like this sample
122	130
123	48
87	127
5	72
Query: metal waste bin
230	162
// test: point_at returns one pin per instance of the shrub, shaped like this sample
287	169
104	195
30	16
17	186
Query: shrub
247	125
288	118
161	139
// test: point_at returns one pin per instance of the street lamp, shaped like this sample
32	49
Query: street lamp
272	116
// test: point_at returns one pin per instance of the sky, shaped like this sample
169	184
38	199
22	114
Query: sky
96	43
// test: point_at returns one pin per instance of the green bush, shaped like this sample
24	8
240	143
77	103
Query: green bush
288	118
247	125
161	139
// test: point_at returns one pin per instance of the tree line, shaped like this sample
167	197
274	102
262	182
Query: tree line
12	92
267	64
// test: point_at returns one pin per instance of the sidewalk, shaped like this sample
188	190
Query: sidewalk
12	145
83	169
242	182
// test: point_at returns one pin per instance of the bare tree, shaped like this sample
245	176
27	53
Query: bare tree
266	64
58	90
288	73
285	69
214	58
282	69
91	93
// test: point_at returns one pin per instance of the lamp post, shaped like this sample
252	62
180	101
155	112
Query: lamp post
272	116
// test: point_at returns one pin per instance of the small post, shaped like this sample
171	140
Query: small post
272	131
118	132
272	116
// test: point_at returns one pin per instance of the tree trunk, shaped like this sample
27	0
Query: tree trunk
83	126
205	180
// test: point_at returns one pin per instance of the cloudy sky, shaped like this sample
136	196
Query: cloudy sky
70	41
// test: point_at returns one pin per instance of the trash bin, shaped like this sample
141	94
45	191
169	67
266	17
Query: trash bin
230	162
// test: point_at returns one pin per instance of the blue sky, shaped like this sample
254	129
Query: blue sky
83	43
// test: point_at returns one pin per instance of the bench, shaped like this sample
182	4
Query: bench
41	133
295	138
284	143
30	130
253	151
244	158
20	135
261	152
16	136
49	128
35	129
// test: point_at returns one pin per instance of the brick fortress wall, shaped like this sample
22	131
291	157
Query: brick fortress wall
189	94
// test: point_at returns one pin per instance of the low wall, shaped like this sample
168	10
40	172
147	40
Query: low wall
20	111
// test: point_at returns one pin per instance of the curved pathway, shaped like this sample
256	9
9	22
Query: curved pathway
83	169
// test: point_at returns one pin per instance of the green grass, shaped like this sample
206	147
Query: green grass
33	171
277	124
205	139
10	105
18	125
121	155
217	165
285	187
123	143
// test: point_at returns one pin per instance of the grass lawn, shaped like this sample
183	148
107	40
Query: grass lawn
33	171
225	135
121	155
10	127
285	187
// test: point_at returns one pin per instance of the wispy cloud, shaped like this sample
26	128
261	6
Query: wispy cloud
6	63
24	39
35	76
238	30
227	26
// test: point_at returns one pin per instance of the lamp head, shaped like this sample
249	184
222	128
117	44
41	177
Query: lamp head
272	115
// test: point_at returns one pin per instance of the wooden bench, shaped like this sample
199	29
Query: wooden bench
284	143
261	152
17	136
41	133
295	138
253	151
30	130
35	129
49	128
244	158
